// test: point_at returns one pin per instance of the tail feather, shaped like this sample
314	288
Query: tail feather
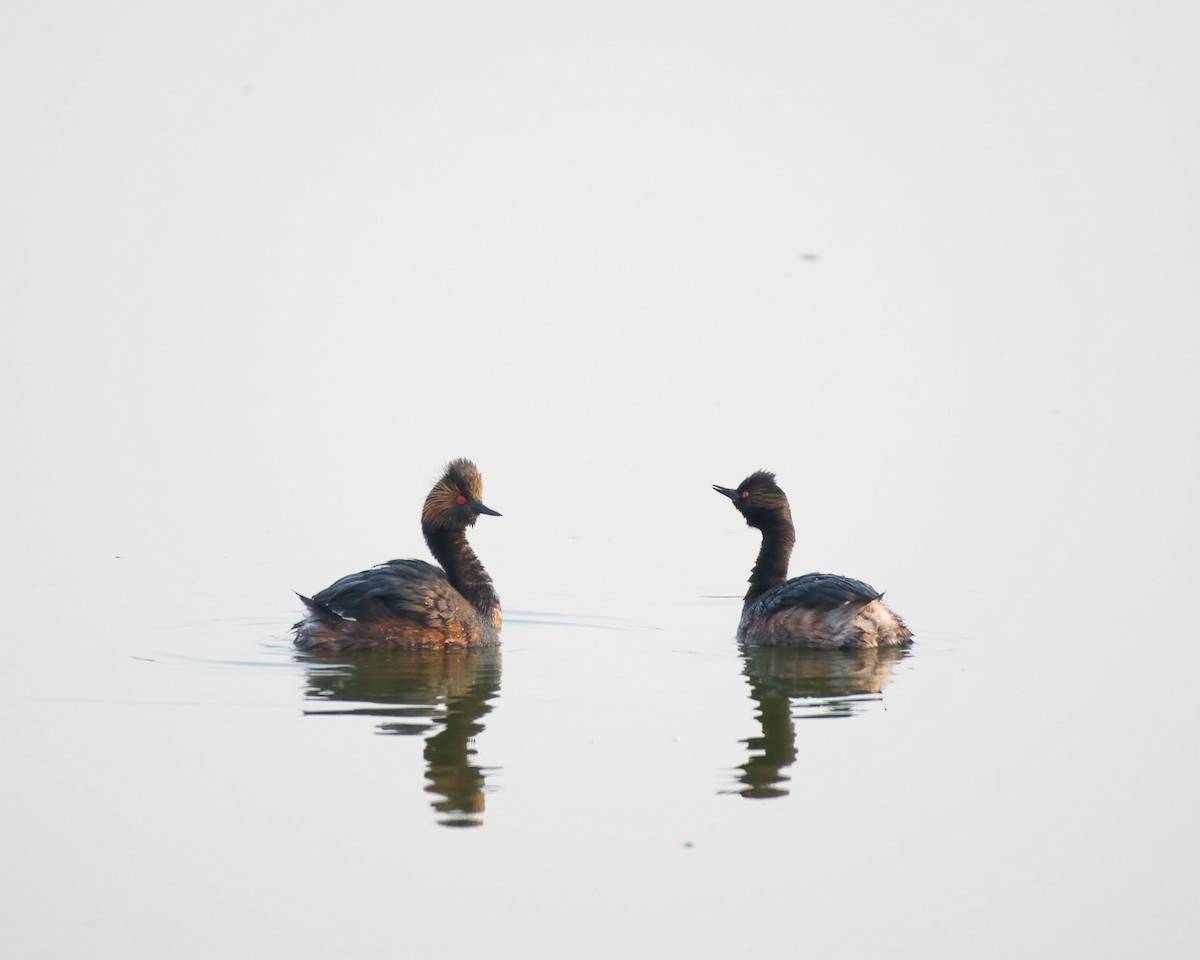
318	611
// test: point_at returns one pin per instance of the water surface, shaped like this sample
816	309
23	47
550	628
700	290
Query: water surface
634	764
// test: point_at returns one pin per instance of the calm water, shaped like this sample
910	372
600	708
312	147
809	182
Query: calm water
620	777
933	263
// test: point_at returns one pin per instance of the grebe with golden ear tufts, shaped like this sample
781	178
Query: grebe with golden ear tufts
822	611
411	603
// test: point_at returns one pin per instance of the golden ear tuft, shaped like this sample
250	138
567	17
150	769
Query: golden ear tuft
464	475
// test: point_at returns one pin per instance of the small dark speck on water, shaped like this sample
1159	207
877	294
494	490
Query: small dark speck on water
687	844
808	256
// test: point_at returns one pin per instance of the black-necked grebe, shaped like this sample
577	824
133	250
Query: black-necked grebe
823	611
407	603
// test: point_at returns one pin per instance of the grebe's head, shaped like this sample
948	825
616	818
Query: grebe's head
757	498
456	499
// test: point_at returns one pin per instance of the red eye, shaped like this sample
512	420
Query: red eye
745	494
461	498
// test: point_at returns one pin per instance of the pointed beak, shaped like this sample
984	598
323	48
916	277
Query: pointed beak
480	508
731	494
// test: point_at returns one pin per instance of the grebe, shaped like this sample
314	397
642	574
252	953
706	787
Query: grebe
822	611
407	603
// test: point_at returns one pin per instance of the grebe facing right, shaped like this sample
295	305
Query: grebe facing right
411	603
822	611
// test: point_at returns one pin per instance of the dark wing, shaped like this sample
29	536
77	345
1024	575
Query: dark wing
818	591
407	589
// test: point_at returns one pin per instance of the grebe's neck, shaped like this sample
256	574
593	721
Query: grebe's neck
463	569
771	567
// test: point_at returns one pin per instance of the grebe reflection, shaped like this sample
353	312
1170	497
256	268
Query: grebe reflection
440	694
790	683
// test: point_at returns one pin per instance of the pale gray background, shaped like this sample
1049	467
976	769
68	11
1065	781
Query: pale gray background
267	266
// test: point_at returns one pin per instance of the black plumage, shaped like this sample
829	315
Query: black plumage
818	591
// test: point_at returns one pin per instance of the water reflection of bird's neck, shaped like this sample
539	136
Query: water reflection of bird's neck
449	753
763	773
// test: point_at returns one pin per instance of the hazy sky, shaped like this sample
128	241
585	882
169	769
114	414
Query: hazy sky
267	266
